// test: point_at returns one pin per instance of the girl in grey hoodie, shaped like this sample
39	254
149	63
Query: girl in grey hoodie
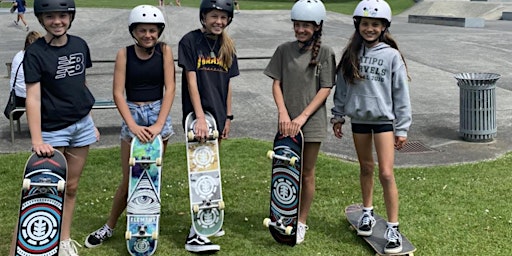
372	89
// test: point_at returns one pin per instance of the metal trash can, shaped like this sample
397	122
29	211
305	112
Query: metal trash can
477	106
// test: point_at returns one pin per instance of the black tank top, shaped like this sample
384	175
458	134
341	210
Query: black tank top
144	78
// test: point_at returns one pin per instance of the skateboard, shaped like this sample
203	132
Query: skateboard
204	179
285	188
13	8
376	240
143	202
42	204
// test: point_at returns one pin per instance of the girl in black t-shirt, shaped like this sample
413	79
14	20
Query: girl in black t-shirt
58	101
208	59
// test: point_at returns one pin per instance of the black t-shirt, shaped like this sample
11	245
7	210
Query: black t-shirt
65	99
144	78
211	74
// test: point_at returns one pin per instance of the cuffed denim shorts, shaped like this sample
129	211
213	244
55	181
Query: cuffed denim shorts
146	115
80	134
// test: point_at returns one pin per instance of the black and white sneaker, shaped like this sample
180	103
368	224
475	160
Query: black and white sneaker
197	243
97	237
366	223
394	244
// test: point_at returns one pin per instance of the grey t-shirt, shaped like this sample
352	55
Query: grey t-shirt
300	83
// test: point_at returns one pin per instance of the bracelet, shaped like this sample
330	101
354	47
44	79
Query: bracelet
337	119
230	117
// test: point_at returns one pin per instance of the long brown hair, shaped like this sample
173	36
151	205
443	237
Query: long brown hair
349	63
317	42
227	48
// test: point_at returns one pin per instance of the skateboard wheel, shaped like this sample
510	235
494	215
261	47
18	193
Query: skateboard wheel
190	136
195	208
293	160
266	222
215	134
26	184
288	230
61	185
154	236
270	154
131	161
128	235
221	205
158	161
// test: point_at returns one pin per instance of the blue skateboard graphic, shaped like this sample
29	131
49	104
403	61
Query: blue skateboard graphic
42	204
285	188
143	203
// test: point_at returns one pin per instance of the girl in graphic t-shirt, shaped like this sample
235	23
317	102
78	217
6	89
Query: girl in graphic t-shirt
372	89
208	59
303	75
58	101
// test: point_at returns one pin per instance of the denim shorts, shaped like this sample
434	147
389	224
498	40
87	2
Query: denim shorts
79	134
371	128
146	115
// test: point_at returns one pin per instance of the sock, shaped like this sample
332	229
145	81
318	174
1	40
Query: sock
368	209
109	228
192	232
393	225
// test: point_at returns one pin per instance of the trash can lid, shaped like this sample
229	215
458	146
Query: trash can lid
477	79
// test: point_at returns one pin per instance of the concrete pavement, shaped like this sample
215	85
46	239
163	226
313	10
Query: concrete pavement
433	54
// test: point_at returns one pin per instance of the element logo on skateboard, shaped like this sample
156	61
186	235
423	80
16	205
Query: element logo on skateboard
42	204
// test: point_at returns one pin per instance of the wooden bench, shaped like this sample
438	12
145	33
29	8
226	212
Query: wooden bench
99	104
448	21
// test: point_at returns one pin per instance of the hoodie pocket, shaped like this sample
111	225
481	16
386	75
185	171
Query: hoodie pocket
364	107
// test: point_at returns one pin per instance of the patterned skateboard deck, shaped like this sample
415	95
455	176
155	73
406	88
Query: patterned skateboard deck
205	186
143	203
376	240
42	204
285	188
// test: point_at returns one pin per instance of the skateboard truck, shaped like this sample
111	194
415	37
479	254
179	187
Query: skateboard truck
291	160
208	205
27	184
278	224
213	136
144	160
141	234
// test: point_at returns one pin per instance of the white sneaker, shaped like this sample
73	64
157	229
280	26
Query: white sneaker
68	247
301	232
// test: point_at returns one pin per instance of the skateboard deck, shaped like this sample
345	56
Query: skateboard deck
376	240
143	203
13	9
204	178
285	188
42	204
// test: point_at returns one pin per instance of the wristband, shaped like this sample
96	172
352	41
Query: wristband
337	119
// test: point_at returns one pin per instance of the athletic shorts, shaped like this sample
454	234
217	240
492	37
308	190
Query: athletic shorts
79	134
146	115
371	128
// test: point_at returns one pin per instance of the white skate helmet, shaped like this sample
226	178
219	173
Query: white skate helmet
377	9
146	14
309	10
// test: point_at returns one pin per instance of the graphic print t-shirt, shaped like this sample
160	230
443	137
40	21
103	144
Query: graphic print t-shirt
65	98
211	73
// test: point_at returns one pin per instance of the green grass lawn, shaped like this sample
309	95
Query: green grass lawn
452	210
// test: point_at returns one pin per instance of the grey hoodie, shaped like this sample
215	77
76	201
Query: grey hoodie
382	96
